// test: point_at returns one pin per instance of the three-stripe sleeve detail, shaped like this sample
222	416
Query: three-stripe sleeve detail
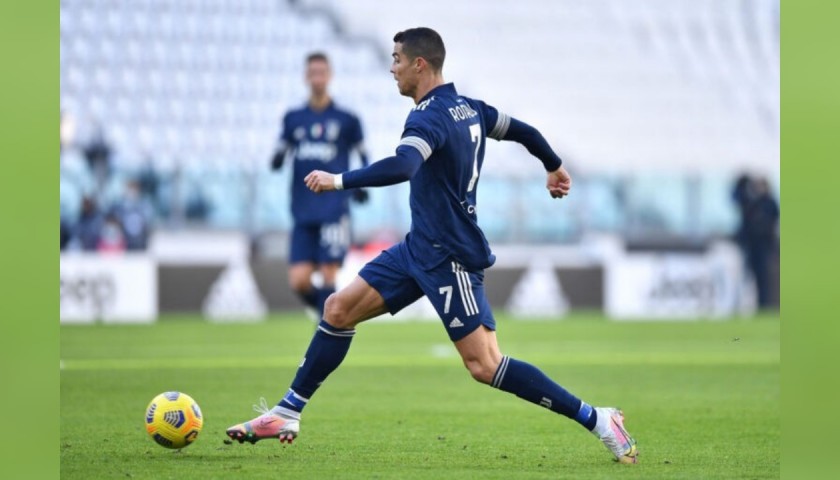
421	145
500	129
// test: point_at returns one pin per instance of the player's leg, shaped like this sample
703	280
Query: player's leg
480	353
458	297
303	256
759	261
300	280
380	287
345	309
462	305
333	243
327	349
329	274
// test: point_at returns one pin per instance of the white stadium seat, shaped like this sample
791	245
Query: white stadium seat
673	87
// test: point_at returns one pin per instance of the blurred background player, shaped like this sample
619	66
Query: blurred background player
320	136
444	255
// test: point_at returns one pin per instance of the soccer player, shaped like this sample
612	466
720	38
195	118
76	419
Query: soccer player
443	256
322	137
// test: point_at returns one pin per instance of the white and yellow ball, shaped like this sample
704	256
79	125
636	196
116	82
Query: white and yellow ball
173	419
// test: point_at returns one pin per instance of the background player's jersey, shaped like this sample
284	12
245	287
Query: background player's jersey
450	131
321	140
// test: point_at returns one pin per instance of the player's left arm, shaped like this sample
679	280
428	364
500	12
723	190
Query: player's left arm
504	127
359	195
284	142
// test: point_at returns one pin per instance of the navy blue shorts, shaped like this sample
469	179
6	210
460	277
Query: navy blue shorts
457	295
320	243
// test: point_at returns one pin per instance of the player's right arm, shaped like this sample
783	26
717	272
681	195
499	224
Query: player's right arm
388	171
283	145
419	140
504	127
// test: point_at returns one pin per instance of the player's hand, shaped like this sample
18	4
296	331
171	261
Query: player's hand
559	183
360	196
277	159
319	181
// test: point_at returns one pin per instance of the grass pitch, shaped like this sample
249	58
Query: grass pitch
702	399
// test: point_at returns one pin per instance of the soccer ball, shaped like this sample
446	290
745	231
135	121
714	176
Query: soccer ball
173	419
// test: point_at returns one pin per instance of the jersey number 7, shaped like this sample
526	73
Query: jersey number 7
475	136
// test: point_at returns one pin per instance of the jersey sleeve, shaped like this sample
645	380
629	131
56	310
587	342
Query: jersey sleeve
286	132
422	132
496	123
356	139
356	135
501	126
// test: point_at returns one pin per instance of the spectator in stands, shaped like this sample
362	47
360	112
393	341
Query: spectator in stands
198	207
321	136
111	237
98	155
761	217
89	227
149	181
741	195
133	214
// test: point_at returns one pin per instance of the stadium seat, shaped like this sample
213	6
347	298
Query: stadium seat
659	86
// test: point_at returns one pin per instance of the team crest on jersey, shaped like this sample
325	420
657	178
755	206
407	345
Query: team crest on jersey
316	130
333	129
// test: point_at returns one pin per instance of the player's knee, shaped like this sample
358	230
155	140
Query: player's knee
481	371
299	283
336	312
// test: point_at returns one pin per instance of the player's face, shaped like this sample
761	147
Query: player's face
403	73
318	76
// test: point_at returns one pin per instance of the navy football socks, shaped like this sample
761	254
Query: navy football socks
326	351
329	346
529	383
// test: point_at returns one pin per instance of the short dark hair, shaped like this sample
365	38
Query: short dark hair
317	57
423	42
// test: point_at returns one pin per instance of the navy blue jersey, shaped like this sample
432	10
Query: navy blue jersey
450	132
321	140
